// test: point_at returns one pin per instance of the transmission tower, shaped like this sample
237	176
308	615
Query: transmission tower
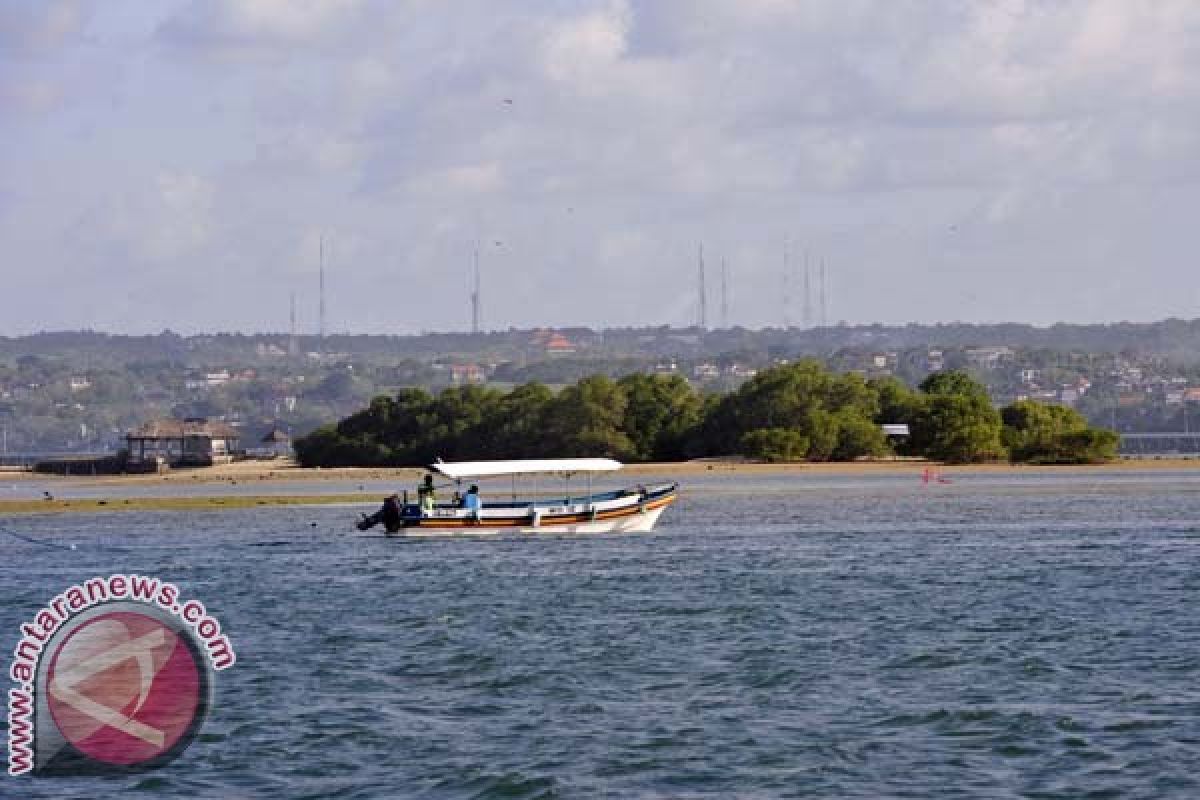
824	298
724	294
475	297
321	291
787	286
292	347
808	311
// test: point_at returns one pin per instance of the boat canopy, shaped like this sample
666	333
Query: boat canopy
487	469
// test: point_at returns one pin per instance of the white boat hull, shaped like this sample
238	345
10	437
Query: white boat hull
636	523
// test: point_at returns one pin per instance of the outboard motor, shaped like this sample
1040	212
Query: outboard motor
389	514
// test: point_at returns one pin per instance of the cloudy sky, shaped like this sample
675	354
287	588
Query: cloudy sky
175	164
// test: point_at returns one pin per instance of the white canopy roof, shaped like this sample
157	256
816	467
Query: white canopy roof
486	469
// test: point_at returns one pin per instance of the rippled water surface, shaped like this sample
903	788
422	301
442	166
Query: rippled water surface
777	637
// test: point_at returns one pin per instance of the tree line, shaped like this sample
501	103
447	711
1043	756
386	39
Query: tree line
793	412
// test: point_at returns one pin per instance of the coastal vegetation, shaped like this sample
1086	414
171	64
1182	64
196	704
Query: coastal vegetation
793	412
1036	433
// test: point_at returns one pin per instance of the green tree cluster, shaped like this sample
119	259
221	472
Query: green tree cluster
795	412
792	412
637	418
1040	434
953	420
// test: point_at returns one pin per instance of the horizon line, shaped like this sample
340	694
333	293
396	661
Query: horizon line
797	329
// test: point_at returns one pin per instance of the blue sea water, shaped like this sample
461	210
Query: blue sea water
1033	636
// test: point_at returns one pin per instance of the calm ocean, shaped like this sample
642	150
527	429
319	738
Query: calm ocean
1033	636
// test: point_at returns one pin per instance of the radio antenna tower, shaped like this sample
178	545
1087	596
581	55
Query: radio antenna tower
824	300
475	297
292	348
724	293
703	293
787	286
808	310
321	288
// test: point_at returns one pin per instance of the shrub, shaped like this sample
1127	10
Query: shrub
775	445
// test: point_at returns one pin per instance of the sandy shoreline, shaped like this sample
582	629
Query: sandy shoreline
348	485
256	471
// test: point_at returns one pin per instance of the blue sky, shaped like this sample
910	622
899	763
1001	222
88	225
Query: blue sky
174	164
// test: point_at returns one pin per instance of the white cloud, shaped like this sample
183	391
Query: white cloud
33	34
460	181
600	140
247	25
37	26
160	221
31	95
581	49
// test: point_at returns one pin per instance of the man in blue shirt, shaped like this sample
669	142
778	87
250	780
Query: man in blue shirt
472	502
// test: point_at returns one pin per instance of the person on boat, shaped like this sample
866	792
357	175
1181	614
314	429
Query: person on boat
427	495
473	502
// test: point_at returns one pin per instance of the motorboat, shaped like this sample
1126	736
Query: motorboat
556	510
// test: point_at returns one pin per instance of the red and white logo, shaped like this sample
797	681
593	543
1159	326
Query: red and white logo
124	688
114	674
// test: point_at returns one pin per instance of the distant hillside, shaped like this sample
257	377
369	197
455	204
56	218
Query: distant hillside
1173	339
80	391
